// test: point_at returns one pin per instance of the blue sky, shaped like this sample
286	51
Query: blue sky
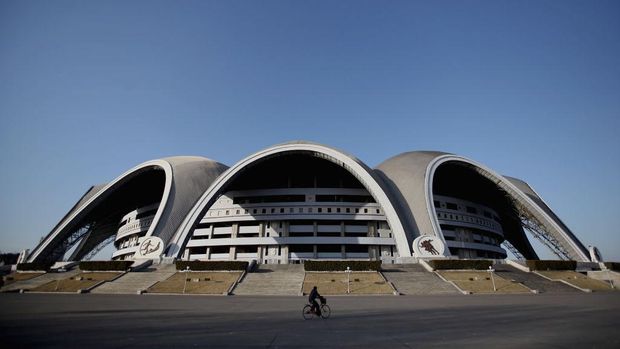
89	89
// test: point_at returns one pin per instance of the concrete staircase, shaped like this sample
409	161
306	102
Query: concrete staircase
132	282
272	279
39	280
532	280
413	279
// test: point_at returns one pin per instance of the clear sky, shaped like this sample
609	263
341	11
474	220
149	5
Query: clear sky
89	89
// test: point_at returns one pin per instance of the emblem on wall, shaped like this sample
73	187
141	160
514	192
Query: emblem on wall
428	246
150	247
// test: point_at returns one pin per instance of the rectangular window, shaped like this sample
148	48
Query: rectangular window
328	248
451	206
472	210
437	204
301	248
356	248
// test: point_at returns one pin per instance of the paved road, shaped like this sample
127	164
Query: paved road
150	321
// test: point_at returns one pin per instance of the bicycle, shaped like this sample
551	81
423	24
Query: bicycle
308	313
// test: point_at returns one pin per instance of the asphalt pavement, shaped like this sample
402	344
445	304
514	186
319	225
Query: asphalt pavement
161	321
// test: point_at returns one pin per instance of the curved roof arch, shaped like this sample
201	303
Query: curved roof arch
182	176
412	174
353	165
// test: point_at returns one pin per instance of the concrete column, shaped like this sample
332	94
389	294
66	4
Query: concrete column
261	251
284	256
233	249
372	229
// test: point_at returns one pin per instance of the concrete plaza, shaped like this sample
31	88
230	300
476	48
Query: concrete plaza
150	321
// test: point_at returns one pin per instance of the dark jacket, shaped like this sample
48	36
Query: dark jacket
314	294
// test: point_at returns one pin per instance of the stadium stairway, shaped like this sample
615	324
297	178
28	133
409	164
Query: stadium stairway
272	279
532	280
413	279
39	280
132	282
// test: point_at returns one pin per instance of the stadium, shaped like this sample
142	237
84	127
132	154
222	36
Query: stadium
299	201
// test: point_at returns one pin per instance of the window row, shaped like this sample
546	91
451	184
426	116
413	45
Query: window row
293	210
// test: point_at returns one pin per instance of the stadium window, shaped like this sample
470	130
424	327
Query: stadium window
365	210
329	210
378	211
338	210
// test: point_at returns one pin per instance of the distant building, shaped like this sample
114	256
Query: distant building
302	200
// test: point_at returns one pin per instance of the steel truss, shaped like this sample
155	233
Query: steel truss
538	230
99	247
65	245
507	245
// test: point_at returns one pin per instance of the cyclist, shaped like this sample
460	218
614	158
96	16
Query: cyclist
316	307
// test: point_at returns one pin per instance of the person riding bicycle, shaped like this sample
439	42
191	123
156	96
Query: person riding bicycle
314	294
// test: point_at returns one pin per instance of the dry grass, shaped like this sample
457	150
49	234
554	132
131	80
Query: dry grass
79	282
198	283
14	277
578	280
480	282
336	283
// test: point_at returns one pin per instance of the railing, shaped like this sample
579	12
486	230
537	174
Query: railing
134	227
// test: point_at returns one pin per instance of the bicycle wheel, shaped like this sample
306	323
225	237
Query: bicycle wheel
325	311
307	312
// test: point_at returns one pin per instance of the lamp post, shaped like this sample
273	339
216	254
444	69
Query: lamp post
348	271
491	270
185	284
